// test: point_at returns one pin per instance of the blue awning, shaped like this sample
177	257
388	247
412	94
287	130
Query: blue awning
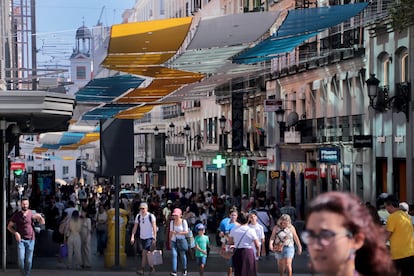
106	111
104	90
299	25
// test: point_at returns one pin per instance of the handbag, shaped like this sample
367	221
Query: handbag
155	257
278	247
190	239
63	251
227	252
182	244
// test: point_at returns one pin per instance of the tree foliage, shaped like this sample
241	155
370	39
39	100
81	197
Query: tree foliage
402	14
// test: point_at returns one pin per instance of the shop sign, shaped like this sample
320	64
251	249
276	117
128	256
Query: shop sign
329	155
311	173
362	141
17	166
274	174
211	167
197	164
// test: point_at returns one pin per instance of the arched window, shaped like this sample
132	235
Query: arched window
404	67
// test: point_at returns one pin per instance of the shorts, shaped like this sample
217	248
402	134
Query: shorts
288	252
201	260
146	244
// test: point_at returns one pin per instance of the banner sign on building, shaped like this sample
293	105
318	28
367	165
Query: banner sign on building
237	121
311	173
329	155
271	105
362	141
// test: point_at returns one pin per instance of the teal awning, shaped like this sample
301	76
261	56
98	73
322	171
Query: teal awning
104	90
299	25
106	111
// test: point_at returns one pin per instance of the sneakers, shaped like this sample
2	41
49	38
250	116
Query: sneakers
152	270
173	273
140	272
185	272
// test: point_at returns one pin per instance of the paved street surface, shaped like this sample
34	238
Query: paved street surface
216	266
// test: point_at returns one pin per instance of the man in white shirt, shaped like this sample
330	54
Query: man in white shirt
146	222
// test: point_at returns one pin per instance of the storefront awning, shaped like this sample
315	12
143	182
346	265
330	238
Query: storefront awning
299	25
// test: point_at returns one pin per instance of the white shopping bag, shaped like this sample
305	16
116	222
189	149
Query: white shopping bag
154	257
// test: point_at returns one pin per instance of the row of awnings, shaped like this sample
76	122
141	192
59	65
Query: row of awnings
170	60
182	57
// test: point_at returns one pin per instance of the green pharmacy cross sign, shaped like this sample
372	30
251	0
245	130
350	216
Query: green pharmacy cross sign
219	161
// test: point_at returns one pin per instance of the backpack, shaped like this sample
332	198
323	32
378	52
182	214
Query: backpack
139	224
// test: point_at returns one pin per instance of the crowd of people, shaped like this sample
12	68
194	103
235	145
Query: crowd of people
340	232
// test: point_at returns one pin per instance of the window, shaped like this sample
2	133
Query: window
404	68
65	170
81	72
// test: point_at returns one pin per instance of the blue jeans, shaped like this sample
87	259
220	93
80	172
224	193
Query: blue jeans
25	250
175	252
101	237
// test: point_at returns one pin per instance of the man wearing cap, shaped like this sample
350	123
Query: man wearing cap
400	230
146	223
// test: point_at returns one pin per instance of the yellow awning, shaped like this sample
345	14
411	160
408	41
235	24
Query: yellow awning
134	113
146	43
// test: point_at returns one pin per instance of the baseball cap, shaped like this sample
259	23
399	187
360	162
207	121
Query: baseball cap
169	201
143	205
404	206
199	227
177	212
253	212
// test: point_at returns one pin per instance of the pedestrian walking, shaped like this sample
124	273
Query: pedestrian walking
21	227
282	242
242	239
73	241
259	231
343	238
400	231
226	225
85	235
179	244
145	224
202	244
101	229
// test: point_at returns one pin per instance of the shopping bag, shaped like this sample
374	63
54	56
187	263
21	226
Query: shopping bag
63	251
154	257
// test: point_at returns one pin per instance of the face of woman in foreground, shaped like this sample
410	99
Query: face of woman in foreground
331	246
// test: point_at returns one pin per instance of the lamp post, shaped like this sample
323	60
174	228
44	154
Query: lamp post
187	130
156	131
279	113
223	147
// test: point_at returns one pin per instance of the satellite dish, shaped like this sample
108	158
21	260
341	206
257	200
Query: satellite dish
292	119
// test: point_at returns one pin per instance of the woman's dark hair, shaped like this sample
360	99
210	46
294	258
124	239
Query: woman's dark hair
75	215
373	258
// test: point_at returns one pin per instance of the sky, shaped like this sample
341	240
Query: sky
58	20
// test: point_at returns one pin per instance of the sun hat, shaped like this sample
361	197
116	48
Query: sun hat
177	212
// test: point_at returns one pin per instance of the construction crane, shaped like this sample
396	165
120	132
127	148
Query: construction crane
100	17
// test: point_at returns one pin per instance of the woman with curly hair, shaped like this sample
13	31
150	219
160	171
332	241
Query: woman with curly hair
343	239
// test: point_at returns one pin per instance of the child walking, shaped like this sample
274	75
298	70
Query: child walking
202	243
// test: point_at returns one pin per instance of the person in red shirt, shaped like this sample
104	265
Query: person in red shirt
21	226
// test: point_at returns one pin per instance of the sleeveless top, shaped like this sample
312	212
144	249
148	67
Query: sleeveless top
284	235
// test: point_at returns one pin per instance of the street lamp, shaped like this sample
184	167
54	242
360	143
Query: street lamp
280	113
156	130
222	121
187	130
400	102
